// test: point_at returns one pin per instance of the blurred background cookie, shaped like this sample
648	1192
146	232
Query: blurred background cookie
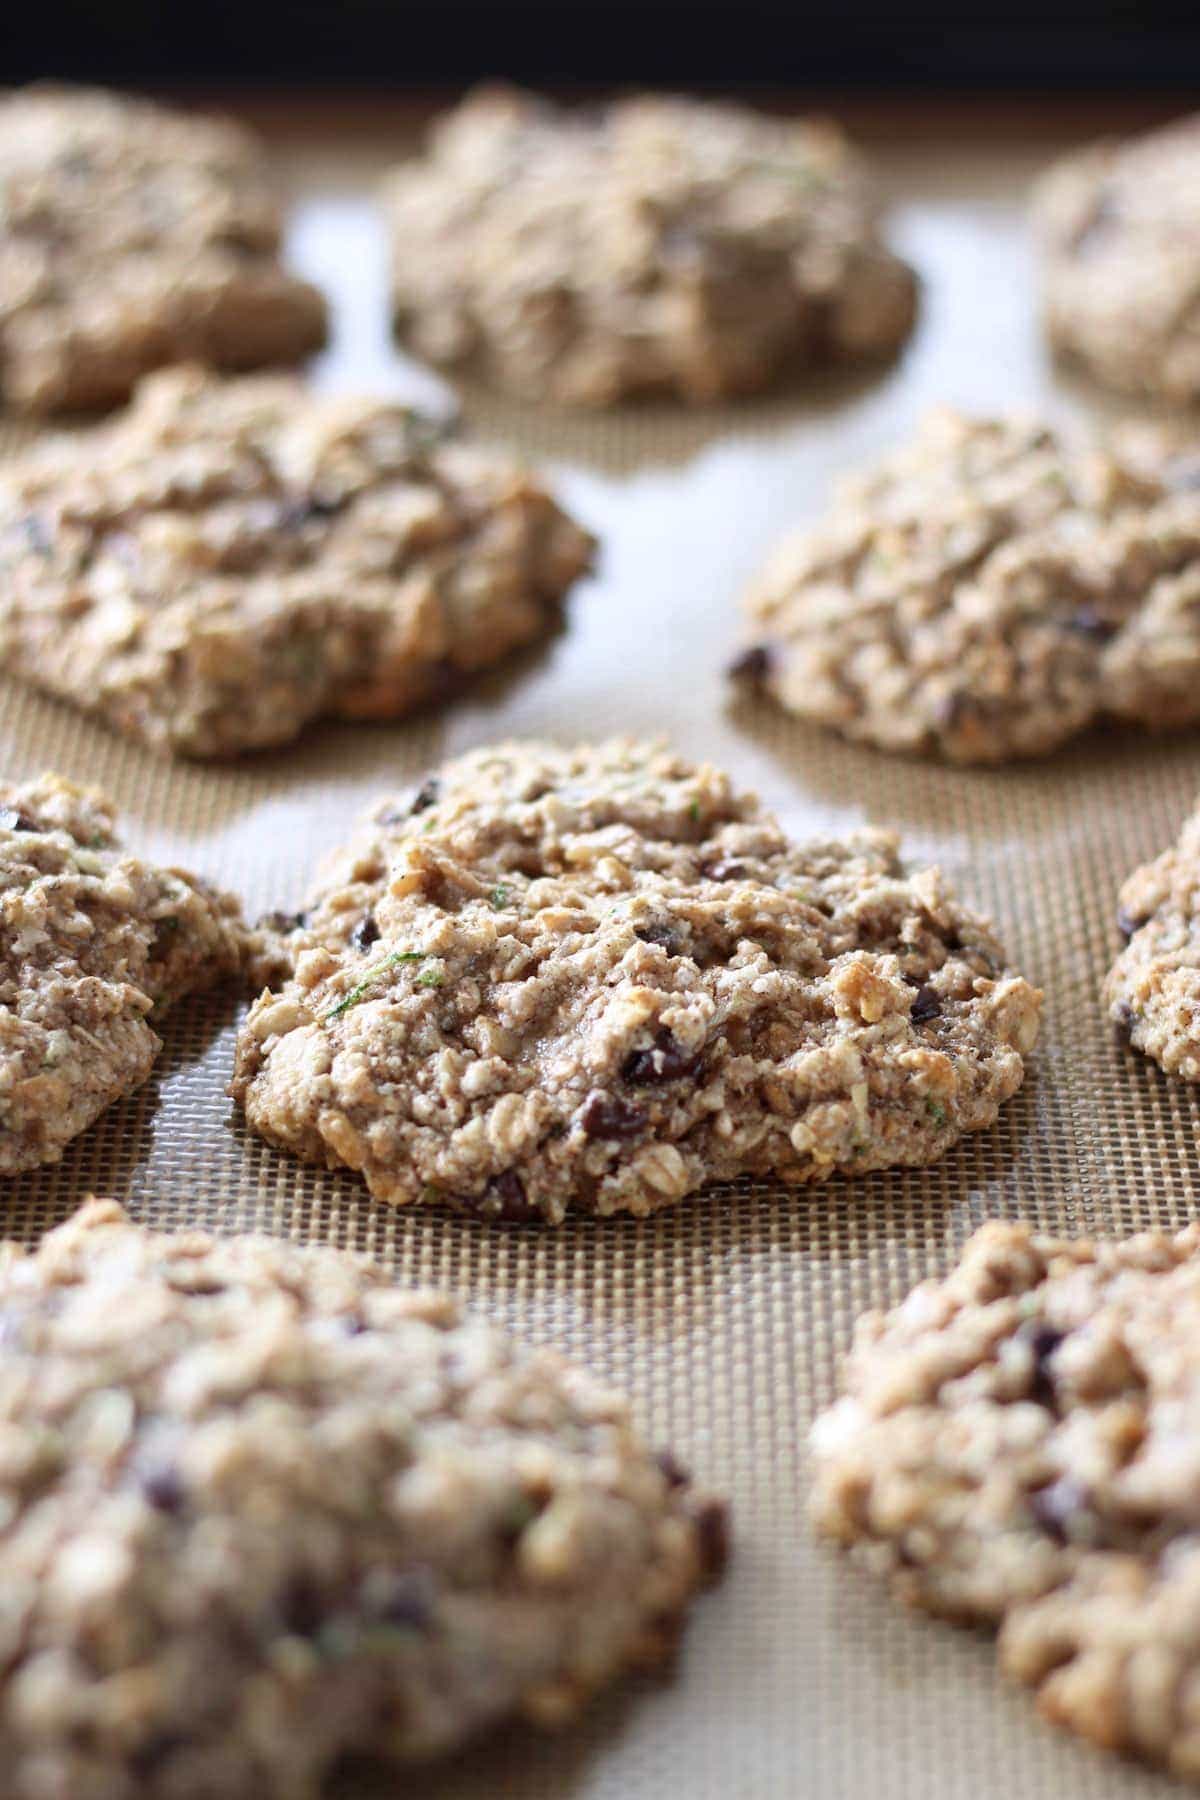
659	246
1120	234
133	236
232	560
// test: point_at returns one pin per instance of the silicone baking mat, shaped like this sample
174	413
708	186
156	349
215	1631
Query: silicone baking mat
724	1319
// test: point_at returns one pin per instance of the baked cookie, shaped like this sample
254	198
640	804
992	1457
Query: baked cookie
92	943
988	592
1120	236
659	246
231	560
1020	1444
596	979
263	1509
1153	989
131	237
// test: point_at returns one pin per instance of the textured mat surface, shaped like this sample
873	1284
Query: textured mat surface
726	1318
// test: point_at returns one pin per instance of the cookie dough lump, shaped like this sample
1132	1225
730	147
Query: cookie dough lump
264	1509
131	237
598	979
93	944
1120	234
1153	989
230	561
659	246
990	591
1020	1445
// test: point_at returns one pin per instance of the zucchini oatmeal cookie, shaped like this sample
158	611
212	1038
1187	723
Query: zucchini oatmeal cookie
596	979
264	1509
131	237
1120	235
1153	989
990	591
1020	1445
232	560
93	942
660	246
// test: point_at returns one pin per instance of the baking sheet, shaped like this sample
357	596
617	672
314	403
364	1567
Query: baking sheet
725	1318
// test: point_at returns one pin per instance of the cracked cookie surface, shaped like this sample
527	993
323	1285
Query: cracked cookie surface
1020	1445
989	592
659	246
231	560
1153	989
93	943
1120	236
131	237
596	979
264	1509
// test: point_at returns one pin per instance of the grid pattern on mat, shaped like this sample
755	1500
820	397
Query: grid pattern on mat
724	1319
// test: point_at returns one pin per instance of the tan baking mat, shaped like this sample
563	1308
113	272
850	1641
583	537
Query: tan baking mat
725	1318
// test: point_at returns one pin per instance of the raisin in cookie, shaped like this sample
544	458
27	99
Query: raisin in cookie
990	591
131	237
657	247
263	1508
596	979
1020	1444
1153	989
92	942
231	560
1120	235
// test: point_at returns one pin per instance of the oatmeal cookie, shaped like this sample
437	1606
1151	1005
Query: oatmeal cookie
659	246
1153	989
231	560
1020	1445
988	592
263	1509
1120	235
131	237
92	943
596	979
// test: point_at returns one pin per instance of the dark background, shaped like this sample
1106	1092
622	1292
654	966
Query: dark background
871	45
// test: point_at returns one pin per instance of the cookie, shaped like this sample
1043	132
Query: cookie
132	237
1153	989
596	979
1020	1445
93	943
232	560
656	247
264	1509
1119	227
988	592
